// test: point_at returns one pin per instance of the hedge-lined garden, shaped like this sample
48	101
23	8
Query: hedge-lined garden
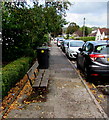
14	71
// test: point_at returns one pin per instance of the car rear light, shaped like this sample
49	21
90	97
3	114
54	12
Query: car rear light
94	74
95	56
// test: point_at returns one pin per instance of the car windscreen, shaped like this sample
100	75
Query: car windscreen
76	44
65	42
103	49
60	40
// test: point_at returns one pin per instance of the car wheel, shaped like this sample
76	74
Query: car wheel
69	56
87	74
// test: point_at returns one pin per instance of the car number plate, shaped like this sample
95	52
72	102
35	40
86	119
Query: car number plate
107	59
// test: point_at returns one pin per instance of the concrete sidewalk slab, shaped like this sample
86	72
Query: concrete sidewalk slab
67	97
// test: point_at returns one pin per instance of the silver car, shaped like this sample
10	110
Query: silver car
72	48
59	40
64	44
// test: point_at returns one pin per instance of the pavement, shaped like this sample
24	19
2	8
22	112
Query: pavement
68	97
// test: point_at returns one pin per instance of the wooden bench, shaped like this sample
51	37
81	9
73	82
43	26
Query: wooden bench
38	77
32	72
41	82
44	82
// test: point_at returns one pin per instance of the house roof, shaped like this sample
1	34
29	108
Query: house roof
92	34
105	30
79	33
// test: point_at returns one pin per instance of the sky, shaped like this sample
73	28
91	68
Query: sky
94	12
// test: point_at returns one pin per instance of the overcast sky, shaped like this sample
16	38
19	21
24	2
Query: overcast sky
95	13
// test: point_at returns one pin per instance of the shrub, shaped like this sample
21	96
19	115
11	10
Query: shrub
71	37
13	72
66	37
86	38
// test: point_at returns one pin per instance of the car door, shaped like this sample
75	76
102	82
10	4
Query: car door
85	55
66	48
80	55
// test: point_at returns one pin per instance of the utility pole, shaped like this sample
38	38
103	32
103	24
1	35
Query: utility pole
84	27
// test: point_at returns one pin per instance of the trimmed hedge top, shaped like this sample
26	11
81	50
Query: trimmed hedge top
86	38
13	72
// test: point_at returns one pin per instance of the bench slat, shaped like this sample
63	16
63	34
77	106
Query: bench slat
38	79
44	82
29	72
35	65
32	71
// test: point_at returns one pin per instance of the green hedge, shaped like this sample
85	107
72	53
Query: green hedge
86	38
13	72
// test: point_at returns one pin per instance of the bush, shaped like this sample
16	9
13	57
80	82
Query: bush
13	72
86	38
30	53
71	37
67	36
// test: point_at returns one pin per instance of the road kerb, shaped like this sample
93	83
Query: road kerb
90	93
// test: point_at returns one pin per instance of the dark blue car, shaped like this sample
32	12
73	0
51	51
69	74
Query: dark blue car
93	59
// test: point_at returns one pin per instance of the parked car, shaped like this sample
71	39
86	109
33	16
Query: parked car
72	48
64	44
93	59
55	40
59	40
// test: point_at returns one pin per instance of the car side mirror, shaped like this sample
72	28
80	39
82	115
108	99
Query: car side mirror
67	45
80	49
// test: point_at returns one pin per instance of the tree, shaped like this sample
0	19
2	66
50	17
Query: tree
55	12
88	30
14	35
72	28
24	28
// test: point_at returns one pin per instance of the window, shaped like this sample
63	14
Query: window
76	44
84	47
103	49
89	47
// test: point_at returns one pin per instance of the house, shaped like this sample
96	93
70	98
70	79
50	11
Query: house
93	34
78	33
102	34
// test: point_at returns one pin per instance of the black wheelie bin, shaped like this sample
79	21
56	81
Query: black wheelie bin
43	57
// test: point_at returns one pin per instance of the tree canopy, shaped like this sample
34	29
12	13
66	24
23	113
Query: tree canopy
24	28
87	30
72	28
